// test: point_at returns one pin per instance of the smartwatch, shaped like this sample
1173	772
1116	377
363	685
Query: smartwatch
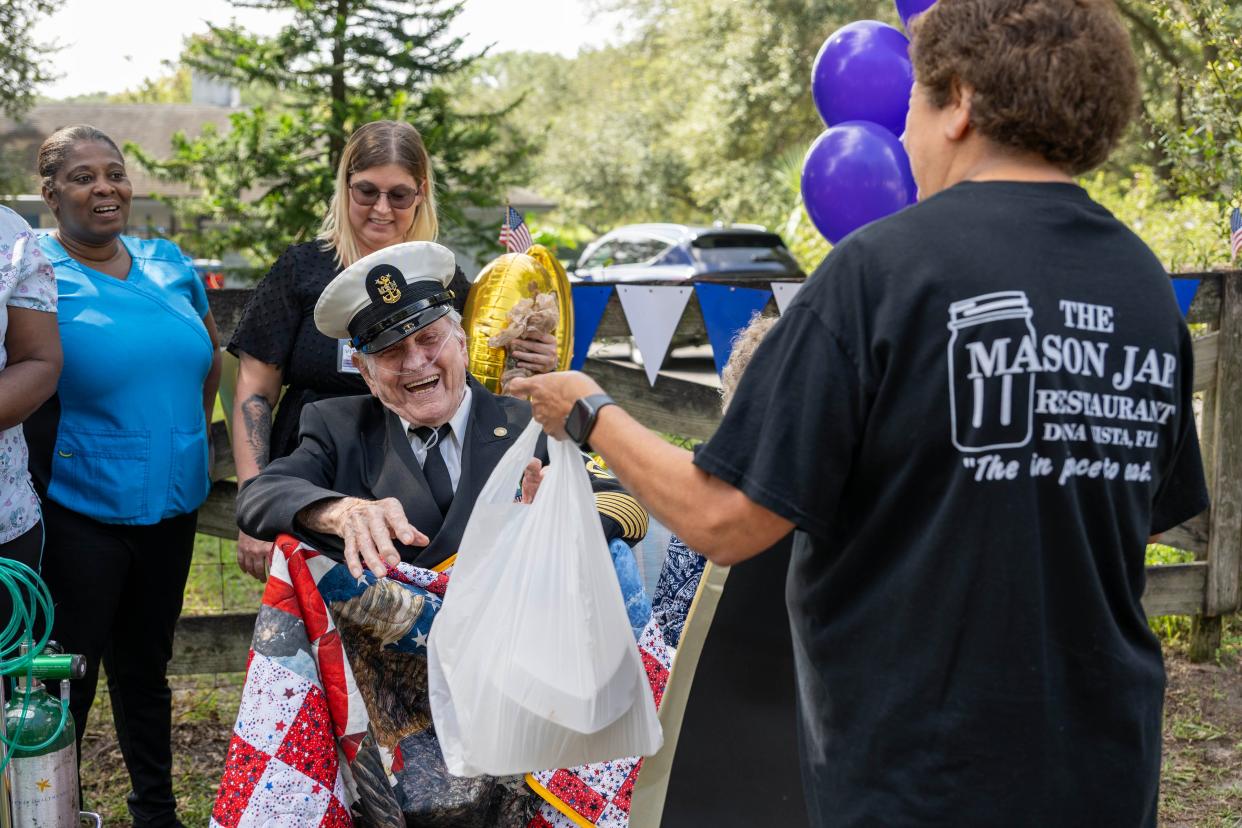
582	417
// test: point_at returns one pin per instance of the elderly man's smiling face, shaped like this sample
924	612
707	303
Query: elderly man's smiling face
422	378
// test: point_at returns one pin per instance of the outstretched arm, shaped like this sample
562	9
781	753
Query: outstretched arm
709	515
367	527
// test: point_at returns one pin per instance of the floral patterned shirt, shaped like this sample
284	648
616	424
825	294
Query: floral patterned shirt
26	281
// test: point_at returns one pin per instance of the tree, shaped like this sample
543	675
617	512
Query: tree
705	114
266	181
23	67
23	63
171	88
696	118
1190	127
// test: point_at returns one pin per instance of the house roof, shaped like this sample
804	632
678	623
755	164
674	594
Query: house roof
525	199
150	126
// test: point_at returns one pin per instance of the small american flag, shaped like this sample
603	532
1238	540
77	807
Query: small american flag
1235	233
514	234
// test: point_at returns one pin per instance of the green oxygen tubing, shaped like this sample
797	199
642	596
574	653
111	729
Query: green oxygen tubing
20	650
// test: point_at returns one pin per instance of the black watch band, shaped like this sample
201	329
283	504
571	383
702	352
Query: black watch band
582	417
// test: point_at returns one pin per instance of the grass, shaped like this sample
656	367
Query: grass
204	707
216	583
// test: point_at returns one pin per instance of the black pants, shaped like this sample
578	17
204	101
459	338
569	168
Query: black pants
118	592
25	548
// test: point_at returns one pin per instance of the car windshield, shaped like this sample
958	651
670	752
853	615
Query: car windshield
740	251
626	250
637	250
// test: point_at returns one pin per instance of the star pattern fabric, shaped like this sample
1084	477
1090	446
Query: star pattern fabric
598	794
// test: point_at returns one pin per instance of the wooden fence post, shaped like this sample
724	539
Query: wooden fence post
1205	630
1224	553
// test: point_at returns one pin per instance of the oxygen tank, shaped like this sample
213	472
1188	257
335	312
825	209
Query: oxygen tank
43	765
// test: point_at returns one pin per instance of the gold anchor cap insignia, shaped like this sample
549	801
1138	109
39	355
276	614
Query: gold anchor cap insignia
388	290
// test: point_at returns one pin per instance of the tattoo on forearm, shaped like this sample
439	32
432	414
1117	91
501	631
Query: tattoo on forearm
257	414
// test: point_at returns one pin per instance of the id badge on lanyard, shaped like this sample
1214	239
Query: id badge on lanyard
345	357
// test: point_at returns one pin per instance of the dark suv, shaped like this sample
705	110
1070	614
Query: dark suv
680	253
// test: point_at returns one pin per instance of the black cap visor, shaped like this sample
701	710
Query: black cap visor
400	324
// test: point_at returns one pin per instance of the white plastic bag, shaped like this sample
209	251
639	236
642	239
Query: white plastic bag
531	662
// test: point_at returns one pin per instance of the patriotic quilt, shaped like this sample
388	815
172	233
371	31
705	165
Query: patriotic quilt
334	727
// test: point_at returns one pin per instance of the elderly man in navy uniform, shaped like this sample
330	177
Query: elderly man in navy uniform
394	476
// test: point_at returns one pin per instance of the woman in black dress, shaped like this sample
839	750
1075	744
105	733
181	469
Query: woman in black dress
385	195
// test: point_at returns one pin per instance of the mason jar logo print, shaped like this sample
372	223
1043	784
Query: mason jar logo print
992	397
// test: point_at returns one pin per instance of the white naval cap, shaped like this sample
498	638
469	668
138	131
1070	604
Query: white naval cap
386	296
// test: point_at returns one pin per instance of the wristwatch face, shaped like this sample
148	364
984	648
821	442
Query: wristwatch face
578	420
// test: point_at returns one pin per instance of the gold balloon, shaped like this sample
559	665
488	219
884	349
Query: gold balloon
500	285
550	263
564	303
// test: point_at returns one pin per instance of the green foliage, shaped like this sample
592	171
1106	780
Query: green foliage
216	583
1159	555
171	88
266	181
706	114
564	240
1190	54
23	63
1186	233
702	116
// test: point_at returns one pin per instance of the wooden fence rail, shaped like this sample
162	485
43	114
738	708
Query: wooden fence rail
1207	588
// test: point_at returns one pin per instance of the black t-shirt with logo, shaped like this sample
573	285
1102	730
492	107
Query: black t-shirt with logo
975	412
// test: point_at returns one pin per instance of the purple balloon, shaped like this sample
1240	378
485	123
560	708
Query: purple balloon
853	174
907	9
863	73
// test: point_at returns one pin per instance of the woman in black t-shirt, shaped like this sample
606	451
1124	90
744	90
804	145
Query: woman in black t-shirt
949	416
385	195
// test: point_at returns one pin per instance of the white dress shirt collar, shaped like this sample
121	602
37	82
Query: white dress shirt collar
451	446
457	423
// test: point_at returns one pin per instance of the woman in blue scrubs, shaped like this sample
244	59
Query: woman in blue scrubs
129	463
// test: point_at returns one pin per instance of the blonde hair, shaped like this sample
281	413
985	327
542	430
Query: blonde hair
744	346
374	145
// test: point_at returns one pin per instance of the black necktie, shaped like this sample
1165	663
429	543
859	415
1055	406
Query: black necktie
434	468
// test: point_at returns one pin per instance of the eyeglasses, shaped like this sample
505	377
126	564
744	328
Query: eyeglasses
397	358
364	194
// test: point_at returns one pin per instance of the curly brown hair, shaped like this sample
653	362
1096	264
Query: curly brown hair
1053	77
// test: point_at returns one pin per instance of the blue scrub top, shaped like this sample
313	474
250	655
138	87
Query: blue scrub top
131	447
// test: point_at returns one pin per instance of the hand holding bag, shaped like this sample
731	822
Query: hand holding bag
531	661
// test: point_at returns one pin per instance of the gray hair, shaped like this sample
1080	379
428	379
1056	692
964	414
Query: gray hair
744	346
